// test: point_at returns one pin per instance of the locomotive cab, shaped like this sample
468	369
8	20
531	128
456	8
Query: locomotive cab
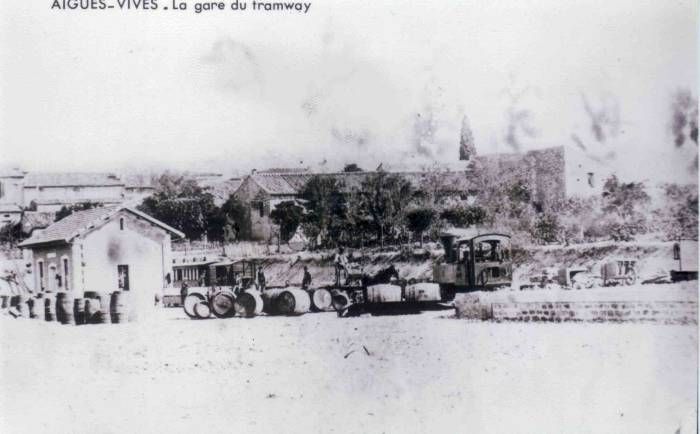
473	261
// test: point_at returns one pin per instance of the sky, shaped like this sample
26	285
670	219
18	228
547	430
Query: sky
364	82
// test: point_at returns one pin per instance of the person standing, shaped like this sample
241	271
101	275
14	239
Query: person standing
261	279
183	293
306	280
341	265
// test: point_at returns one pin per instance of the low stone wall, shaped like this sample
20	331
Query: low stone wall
662	304
663	312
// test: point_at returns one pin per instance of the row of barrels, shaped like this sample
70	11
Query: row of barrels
64	307
250	303
390	293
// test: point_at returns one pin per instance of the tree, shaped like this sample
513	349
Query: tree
385	197
623	205
288	216
677	216
547	228
325	209
467	150
11	233
65	211
181	203
235	215
419	220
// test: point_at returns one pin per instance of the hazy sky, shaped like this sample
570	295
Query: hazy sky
344	83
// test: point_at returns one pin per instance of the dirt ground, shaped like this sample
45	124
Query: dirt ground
321	374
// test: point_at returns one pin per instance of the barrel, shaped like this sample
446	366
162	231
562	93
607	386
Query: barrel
321	299
104	316
222	304
383	293
339	300
92	311
269	297
190	302
64	307
249	304
420	292
33	307
119	307
202	310
79	311
23	305
292	301
49	308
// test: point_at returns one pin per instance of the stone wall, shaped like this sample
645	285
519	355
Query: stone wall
663	312
661	304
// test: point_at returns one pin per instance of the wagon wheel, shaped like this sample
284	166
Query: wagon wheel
630	278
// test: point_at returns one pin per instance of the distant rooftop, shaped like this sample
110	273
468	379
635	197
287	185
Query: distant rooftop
71	179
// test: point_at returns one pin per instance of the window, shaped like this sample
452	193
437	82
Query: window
123	276
121	224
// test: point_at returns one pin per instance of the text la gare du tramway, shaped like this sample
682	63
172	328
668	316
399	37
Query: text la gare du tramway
176	5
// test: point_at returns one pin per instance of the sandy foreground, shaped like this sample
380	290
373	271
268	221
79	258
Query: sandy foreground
322	374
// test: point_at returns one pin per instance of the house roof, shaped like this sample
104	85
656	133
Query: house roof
274	184
79	222
222	190
71	179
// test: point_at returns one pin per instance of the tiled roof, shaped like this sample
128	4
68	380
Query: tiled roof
274	184
69	179
69	227
222	190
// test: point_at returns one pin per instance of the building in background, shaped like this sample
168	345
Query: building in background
104	249
46	193
11	199
52	191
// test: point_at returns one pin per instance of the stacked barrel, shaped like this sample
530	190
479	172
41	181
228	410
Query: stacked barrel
66	307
